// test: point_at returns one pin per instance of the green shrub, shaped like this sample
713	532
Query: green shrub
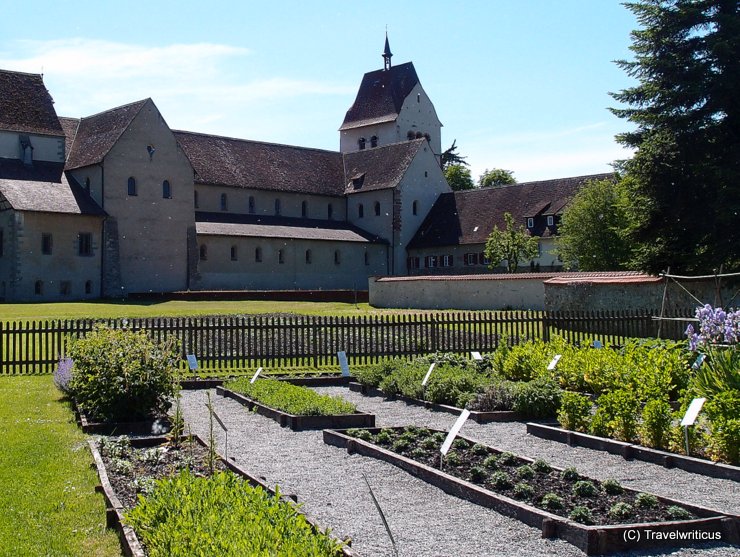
480	450
478	474
616	415
552	502
371	376
507	459
570	474
525	472
383	437
581	514
656	422
523	490
620	511
454	385
537	399
675	512
585	488
400	445
526	361
293	399
612	487
363	434
575	411
429	443
501	480
453	459
460	444
646	501
222	515
491	462
541	466
500	395
122	375
418	453
723	442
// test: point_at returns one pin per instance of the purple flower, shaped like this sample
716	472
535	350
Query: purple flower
63	375
716	326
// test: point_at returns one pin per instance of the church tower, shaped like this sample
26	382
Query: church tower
391	106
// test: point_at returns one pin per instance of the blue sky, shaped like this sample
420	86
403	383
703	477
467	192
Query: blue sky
520	84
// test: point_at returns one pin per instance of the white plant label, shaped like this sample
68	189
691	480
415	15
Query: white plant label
343	363
693	411
454	431
554	362
699	361
597	344
256	375
192	362
476	355
428	375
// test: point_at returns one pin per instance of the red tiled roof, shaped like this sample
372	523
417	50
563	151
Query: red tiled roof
467	217
25	105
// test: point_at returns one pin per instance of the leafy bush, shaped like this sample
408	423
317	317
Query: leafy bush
454	385
460	444
480	450
400	445
501	480
507	459
122	375
491	462
523	490
478	474
675	512
293	399
656	422
222	515
575	411
646	501
552	502
363	434
612	487
383	437
526	361
581	514
371	376
585	488
570	474
616	415
525	472
453	459
541	466
620	511
537	399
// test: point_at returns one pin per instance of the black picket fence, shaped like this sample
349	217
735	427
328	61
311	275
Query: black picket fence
243	342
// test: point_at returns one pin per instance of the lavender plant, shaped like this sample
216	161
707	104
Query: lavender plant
63	375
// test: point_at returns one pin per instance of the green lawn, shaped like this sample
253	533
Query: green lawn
178	308
47	501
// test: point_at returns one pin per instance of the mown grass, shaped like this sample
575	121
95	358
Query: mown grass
47	501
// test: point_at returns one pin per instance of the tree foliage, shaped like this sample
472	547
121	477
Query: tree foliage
592	234
511	244
451	156
684	178
495	178
458	177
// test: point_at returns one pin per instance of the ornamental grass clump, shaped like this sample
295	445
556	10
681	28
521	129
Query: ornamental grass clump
222	515
292	399
123	376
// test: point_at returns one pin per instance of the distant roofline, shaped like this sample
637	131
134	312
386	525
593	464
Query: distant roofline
256	142
535	182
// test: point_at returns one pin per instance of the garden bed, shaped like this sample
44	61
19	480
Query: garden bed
301	422
615	524
156	462
475	415
319	380
638	452
149	427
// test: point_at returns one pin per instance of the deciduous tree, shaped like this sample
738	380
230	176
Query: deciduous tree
459	178
511	244
495	178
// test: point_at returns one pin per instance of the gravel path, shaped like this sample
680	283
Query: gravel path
424	520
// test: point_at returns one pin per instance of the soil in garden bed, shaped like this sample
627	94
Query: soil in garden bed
505	473
132	470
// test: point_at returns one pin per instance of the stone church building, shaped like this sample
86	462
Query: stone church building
118	203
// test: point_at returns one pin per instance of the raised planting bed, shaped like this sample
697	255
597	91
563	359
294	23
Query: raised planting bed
158	426
597	517
129	468
475	415
296	407
638	452
320	380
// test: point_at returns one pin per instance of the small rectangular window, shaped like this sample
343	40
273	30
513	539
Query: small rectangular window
46	243
412	263
233	253
84	244
530	222
430	261
447	260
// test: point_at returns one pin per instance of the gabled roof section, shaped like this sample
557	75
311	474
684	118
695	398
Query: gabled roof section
265	226
59	196
381	96
226	161
380	167
468	217
25	105
69	125
97	134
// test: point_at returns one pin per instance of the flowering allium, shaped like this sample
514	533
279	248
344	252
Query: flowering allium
63	375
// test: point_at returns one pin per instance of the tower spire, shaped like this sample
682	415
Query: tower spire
387	53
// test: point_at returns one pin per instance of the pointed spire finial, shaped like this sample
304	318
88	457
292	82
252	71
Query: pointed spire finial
387	52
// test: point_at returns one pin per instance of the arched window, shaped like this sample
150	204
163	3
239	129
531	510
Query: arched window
88	287
203	252
304	209
377	208
330	211
195	199
367	258
233	253
278	208
415	207
251	205
166	190
374	141
361	142
337	257
38	287
258	255
132	185
360	211
309	258
224	202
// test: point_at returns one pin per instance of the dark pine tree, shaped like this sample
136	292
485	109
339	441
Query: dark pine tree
685	173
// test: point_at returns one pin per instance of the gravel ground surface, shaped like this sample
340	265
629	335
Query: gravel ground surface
424	520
